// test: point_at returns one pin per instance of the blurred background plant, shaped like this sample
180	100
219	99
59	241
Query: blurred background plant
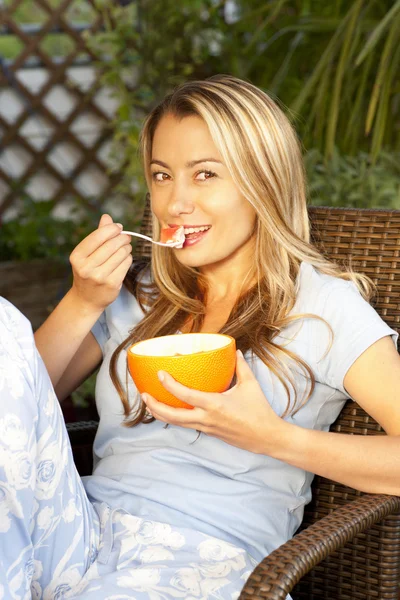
353	180
145	50
334	67
335	64
37	234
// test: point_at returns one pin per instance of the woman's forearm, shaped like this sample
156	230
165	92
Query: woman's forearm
61	335
367	463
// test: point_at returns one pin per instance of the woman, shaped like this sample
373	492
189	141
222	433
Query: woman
186	511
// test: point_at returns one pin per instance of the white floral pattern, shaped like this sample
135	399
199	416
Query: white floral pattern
9	506
12	433
158	562
54	543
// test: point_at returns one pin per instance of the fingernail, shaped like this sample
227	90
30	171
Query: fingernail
120	226
161	376
239	353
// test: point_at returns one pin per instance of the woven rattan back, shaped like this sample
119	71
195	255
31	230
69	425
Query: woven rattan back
368	240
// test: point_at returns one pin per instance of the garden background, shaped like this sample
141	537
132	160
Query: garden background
77	77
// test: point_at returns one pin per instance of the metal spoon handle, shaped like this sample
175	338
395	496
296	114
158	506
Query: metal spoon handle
146	237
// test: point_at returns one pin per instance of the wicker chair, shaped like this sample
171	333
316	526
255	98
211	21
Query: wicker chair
349	544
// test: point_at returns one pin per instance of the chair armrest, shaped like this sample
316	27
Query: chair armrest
81	435
82	432
279	572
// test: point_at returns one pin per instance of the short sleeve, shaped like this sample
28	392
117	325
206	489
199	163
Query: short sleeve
355	327
100	331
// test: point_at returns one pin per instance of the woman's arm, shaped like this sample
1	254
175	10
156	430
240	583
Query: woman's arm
87	358
63	337
242	417
367	463
99	263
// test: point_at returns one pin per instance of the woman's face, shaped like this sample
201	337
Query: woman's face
191	186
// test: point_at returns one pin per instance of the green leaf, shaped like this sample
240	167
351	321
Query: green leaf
319	106
283	70
378	32
352	129
383	108
261	28
340	72
391	40
327	57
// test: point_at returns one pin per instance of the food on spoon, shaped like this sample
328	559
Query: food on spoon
201	361
174	236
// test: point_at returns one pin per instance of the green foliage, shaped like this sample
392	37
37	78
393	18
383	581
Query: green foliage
85	393
146	48
37	234
354	180
336	65
28	12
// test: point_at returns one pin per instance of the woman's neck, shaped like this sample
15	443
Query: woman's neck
220	301
227	285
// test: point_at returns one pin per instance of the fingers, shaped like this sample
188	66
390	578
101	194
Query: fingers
120	257
101	263
197	418
114	249
243	371
119	272
188	395
172	415
98	237
105	220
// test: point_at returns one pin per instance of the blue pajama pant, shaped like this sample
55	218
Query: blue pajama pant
55	543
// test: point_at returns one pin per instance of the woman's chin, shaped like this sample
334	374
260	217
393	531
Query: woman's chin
196	262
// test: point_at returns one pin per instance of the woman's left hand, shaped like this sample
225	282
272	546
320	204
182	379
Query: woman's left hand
241	416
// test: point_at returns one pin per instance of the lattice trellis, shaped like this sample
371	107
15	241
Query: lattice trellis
37	107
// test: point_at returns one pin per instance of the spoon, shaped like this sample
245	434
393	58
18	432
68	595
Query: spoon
146	237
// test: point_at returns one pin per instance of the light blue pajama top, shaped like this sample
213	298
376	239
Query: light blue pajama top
250	500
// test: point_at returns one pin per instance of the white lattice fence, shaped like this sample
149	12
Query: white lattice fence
54	114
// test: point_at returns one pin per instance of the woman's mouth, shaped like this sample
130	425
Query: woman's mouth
194	235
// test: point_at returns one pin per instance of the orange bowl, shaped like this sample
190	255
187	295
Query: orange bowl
201	361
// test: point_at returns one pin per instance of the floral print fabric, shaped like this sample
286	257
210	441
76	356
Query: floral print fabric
49	531
54	543
145	559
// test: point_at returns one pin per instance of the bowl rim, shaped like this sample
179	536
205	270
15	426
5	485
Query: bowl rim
131	352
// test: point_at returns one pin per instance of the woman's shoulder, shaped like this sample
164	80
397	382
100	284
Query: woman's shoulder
311	276
354	324
317	290
339	302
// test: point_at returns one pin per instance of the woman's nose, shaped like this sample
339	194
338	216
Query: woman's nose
180	203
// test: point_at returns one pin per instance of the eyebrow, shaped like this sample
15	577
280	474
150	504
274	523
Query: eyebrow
188	165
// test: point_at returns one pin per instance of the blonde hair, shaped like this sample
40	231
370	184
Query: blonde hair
262	153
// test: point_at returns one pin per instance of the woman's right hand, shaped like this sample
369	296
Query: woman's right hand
100	263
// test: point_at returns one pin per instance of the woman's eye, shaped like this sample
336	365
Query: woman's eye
160	176
204	175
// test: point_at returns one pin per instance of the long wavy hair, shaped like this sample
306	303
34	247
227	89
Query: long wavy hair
261	150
